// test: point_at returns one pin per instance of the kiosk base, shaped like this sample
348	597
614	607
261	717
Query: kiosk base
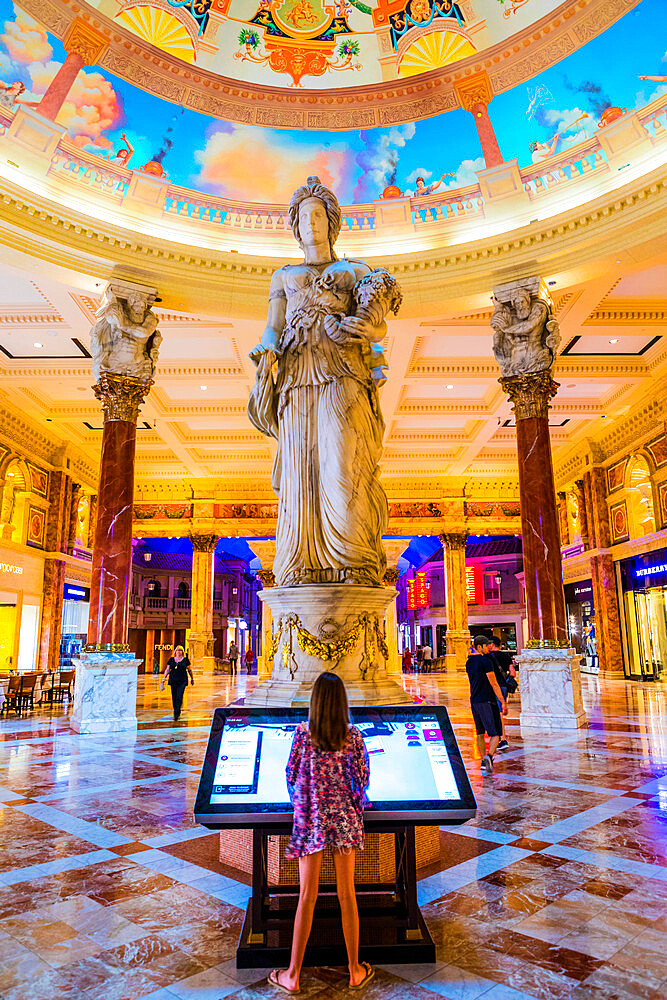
381	942
391	927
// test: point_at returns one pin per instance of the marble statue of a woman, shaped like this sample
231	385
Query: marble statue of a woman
316	393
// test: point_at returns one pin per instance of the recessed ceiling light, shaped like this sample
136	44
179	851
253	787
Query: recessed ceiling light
203	387
572	386
37	344
450	386
614	340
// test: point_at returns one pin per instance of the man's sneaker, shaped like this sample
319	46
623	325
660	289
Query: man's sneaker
487	764
503	745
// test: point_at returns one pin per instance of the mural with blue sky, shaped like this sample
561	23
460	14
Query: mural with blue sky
266	165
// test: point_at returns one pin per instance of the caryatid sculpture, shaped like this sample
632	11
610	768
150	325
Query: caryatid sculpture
318	365
526	336
125	339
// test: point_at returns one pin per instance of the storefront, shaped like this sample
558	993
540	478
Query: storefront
581	623
21	584
74	629
643	581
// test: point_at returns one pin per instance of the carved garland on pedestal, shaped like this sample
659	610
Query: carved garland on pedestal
121	395
329	649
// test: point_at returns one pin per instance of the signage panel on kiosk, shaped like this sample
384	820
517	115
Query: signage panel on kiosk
417	774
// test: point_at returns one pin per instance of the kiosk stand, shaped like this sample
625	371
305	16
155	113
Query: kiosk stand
417	779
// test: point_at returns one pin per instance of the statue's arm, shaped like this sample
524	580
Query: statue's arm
275	320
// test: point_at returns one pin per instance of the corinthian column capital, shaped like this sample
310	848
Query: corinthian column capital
204	543
121	395
454	539
530	394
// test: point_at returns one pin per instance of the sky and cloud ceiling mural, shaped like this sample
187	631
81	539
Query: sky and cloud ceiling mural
556	110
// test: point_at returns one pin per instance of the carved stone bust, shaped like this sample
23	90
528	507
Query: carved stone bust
124	339
526	335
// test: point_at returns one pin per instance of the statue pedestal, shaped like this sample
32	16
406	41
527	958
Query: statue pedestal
329	613
105	693
550	690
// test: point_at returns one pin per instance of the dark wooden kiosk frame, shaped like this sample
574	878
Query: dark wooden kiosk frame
392	928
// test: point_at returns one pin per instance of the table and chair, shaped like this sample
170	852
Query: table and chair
21	692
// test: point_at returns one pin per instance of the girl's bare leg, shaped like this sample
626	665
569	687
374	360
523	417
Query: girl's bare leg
309	882
344	864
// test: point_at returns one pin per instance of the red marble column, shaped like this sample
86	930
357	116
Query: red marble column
545	601
487	137
52	614
60	86
121	397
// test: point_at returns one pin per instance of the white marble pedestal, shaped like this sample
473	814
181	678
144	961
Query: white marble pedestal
550	690
329	611
105	693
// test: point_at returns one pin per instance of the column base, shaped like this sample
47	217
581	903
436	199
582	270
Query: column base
458	649
105	693
200	652
550	682
328	612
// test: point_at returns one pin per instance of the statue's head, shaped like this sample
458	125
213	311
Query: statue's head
521	302
136	307
314	215
534	145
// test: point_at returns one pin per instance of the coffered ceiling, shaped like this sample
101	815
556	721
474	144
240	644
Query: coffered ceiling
446	416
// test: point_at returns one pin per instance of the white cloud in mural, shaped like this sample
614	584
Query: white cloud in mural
25	40
379	159
255	164
466	173
411	179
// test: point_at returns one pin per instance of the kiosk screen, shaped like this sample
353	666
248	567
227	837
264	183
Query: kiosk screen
415	765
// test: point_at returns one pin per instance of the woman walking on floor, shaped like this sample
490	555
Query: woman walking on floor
176	672
327	776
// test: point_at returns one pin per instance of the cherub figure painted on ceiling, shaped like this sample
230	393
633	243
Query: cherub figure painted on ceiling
316	393
124	339
526	336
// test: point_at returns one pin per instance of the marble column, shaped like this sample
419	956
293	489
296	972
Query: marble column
394	549
84	46
562	520
124	343
55	543
201	638
456	600
605	594
265	551
73	518
475	94
525	343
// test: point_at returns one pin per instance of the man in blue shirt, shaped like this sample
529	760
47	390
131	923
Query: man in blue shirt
484	690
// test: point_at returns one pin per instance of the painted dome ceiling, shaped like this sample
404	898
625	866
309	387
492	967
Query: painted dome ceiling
173	102
320	45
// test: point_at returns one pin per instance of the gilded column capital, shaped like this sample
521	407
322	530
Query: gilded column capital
86	41
530	394
454	539
391	576
121	395
267	576
204	543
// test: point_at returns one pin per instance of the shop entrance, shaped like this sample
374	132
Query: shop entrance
7	637
647	632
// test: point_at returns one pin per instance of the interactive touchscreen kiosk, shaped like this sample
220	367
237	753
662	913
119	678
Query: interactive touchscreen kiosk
416	770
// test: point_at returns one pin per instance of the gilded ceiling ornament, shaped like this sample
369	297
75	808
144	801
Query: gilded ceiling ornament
121	395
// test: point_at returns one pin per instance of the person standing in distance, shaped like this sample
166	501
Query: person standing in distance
502	661
427	658
249	659
177	670
484	689
327	777
233	657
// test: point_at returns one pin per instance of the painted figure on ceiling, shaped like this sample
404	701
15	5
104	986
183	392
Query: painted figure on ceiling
316	394
11	95
122	156
422	188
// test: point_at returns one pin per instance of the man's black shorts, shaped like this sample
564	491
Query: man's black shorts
486	717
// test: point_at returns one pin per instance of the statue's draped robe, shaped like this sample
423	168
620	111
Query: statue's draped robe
323	409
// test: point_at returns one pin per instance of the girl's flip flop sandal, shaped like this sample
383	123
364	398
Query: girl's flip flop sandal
370	972
273	979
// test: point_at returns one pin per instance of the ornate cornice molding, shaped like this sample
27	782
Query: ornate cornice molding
395	102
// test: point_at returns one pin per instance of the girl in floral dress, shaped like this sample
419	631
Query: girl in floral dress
327	776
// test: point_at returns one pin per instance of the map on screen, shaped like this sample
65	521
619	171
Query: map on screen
415	765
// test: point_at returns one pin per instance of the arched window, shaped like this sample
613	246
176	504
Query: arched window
154	588
182	589
12	508
641	513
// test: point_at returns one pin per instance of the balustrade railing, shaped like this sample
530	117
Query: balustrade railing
450	211
182	604
157	604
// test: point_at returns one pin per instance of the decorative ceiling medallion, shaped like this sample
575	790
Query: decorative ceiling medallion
302	18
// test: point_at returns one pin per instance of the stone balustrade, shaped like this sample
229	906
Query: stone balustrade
504	198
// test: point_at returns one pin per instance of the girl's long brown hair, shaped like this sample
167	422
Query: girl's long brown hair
329	715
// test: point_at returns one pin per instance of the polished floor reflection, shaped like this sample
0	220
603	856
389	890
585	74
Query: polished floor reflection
558	890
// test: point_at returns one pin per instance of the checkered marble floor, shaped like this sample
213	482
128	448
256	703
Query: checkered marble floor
557	891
